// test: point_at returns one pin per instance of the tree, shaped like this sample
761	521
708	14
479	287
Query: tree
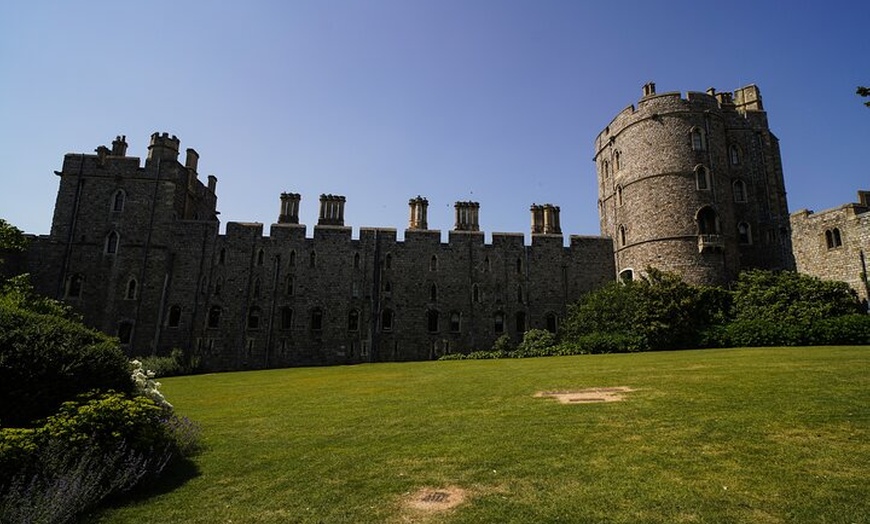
12	241
865	92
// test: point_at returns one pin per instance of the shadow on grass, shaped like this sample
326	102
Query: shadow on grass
176	474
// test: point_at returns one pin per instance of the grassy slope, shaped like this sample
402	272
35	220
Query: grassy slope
758	435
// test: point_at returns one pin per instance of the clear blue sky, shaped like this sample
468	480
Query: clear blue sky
495	101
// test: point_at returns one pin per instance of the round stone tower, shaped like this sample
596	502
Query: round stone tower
693	185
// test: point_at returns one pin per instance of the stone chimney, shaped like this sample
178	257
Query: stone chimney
192	159
545	220
649	89
331	210
119	146
467	216
290	208
418	208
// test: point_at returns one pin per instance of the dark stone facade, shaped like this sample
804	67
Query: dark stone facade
137	251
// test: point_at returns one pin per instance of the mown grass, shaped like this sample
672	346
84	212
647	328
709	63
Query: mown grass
742	435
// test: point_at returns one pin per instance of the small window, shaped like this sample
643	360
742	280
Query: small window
619	195
838	240
214	317
353	320
74	286
130	294
605	168
387	320
520	266
708	221
118	201
616	161
286	318
702	178
290	285
292	259
222	256
734	155
520	293
388	287
622	236
354	289
388	261
112	241
174	319
626	276
356	260
316	319
829	238
455	322
744	233
487	266
433	293
432	321
699	140
255	292
520	321
261	257
254	318
312	259
498	322
125	332
739	189
433	263
475	293
552	322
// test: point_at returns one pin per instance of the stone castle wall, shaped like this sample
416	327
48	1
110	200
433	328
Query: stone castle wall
835	244
693	185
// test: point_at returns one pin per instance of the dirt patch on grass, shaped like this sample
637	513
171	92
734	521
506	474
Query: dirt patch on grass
429	504
587	396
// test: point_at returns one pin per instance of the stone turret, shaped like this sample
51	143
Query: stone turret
418	209
290	208
467	216
163	147
331	210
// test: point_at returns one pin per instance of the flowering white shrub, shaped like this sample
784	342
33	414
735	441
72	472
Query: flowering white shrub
146	386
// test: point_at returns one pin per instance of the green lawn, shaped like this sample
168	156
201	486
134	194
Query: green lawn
741	435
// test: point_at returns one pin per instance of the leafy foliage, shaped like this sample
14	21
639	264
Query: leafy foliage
177	363
864	92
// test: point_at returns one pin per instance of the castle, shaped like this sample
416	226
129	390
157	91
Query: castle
692	185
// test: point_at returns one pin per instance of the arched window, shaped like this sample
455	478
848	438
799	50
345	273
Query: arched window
433	263
432	321
286	318
433	293
702	178
353	320
214	317
734	155
626	276
498	322
112	241
316	319
520	319
356	260
838	240
708	221
475	293
254	318
255	292
290	285
739	190
621	236
616	161
74	286
619	195
455	322
552	322
118	201
387	320
174	319
292	259
388	287
125	331
605	168
261	257
744	233
699	139
486	265
130	294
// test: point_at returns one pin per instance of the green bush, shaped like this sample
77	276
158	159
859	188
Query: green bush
536	343
598	343
47	359
170	366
